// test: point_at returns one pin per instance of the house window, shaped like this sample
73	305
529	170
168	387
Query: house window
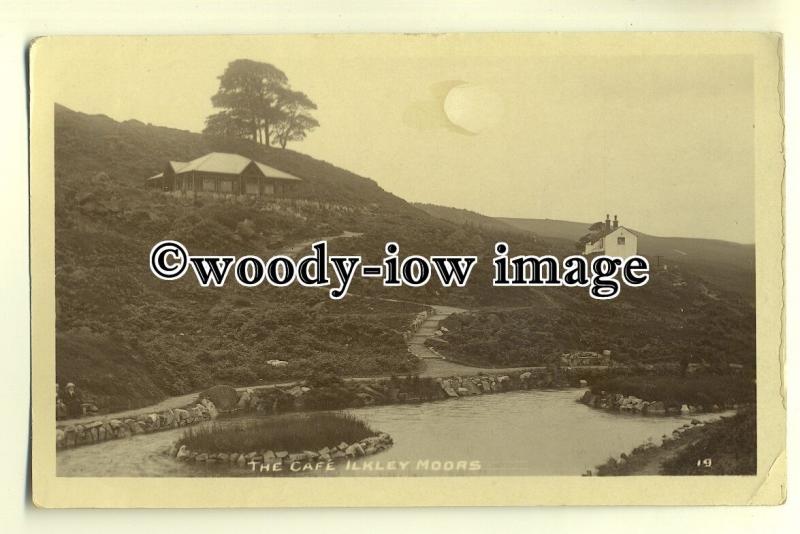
252	186
620	241
208	184
226	186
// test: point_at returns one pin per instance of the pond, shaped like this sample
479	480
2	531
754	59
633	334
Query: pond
537	432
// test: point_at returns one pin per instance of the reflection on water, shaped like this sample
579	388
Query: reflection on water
519	433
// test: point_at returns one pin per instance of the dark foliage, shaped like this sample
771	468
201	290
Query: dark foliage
291	433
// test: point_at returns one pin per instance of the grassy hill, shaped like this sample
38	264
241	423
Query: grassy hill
552	228
116	321
683	249
127	338
468	218
732	263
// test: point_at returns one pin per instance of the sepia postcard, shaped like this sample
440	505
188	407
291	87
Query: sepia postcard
407	270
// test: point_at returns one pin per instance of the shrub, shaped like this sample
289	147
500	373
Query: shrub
730	443
223	397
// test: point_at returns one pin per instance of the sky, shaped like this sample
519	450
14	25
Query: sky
507	126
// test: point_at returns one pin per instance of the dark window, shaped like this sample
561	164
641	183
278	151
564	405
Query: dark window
620	241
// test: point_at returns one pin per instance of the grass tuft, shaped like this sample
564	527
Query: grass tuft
294	432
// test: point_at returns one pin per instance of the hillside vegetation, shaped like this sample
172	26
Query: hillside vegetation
127	338
469	218
731	264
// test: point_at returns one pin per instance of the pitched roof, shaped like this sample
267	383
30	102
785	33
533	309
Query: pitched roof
271	172
604	233
226	163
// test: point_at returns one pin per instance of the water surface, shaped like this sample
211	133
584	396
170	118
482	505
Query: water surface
540	432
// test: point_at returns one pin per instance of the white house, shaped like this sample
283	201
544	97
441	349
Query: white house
614	240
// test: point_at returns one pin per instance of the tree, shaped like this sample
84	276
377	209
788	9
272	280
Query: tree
295	121
594	232
227	124
258	104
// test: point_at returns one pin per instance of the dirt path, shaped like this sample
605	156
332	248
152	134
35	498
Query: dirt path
297	248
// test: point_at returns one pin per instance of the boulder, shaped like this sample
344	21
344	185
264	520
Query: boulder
583	383
342	446
525	376
354	450
296	391
282	454
169	418
684	409
450	392
241	461
70	436
244	400
371	441
656	408
212	409
183	453
181	414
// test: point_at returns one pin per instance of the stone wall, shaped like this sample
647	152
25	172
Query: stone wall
117	428
368	392
629	403
365	447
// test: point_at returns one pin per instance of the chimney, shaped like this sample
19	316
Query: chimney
616	223
608	222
